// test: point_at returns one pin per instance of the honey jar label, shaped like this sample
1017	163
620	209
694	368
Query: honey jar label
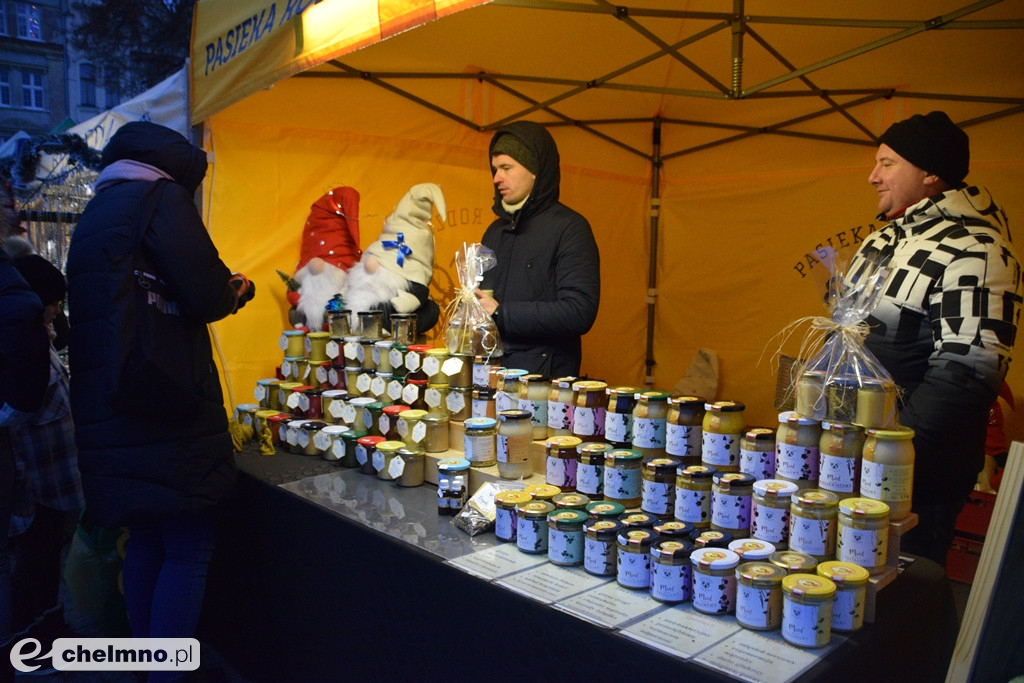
590	479
394	390
505	524
378	386
671	583
432	397
378	460
565	547
683	440
758	464
333	350
657	498
730	512
837	474
456	402
452	366
812	536
758	607
354	351
864	547
599	557
648	432
419	432
809	625
559	415
770	524
714	594
531	535
618	427
504	401
621	484
561	472
363	383
720	450
412	361
693	506
588	421
633	570
797	463
396	467
538	411
848	610
889	483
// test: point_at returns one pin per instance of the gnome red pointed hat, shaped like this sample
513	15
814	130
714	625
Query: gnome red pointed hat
332	230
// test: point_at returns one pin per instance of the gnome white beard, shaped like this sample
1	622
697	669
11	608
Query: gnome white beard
368	291
317	289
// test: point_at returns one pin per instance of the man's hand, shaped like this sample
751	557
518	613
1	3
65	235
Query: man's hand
487	301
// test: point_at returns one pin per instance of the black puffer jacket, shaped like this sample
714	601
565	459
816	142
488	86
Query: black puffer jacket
24	348
140	464
547	280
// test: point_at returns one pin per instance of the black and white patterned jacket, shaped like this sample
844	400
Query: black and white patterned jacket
945	327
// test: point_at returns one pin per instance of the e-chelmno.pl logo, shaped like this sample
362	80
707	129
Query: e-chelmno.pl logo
108	654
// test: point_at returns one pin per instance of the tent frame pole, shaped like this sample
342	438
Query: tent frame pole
652	272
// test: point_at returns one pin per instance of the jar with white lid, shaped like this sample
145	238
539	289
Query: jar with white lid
863	537
649	423
797	455
329	442
731	497
693	495
759	595
381	354
515	434
565	536
671	571
723	428
684	428
561	462
532	526
533	398
752	549
887	469
633	563
757	453
505	503
560	407
714	580
622	478
841	448
618	418
770	510
480	441
590	471
851	593
600	552
590	403
813	523
807	610
658	489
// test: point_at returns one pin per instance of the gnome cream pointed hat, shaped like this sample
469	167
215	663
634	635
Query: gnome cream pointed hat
406	244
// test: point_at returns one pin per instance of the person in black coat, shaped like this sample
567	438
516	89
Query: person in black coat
544	290
144	280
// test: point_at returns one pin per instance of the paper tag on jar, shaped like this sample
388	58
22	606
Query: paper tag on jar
332	349
382	424
322	441
402	428
396	467
361	455
282	433
293	400
419	432
354	351
378	385
283	342
432	397
348	412
378	460
395	390
452	366
412	361
395	356
431	365
338	448
322	374
456	402
303	438
410	393
367	419
363	383
303	402
260	392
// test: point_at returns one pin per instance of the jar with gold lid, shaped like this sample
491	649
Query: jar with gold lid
565	536
532	526
759	595
797	454
671	571
863	537
813	523
543	491
807	610
794	562
770	511
633	563
887	469
851	594
561	462
731	497
714	580
757	453
533	398
841	448
723	427
590	471
600	551
684	428
618	417
590	403
622	478
515	434
505	503
560	407
649	423
573	501
693	495
658	486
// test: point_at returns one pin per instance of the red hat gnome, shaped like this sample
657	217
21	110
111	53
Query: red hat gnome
330	246
395	271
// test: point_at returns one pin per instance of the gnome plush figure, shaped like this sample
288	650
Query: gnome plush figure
330	246
395	271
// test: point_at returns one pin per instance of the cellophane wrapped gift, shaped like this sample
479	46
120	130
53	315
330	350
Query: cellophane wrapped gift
469	329
841	380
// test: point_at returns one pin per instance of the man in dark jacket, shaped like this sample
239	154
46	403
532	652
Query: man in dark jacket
547	281
150	424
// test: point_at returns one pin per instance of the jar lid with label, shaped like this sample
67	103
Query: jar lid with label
714	558
725	407
775	488
510	499
760	435
602	529
793	562
605	509
575	501
672	549
711	538
534	509
696	472
661	466
791	417
480	423
675	529
624	455
543	491
632	537
864	508
638	520
761	574
752	549
729	481
809	585
653	396
844	573
514	415
566	519
453	465
817	498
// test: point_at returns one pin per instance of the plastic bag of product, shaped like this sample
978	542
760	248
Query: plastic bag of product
478	513
841	380
469	330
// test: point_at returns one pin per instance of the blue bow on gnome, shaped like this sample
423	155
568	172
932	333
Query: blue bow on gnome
395	271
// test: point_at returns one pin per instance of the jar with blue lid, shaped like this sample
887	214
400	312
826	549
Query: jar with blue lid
480	441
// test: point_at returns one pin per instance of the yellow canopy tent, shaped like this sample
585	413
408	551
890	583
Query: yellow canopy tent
714	151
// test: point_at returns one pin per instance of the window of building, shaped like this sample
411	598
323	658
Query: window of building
5	86
30	21
112	88
32	90
87	84
4	31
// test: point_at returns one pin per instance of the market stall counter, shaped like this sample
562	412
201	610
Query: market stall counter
322	573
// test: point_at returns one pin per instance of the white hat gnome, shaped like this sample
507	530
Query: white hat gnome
395	271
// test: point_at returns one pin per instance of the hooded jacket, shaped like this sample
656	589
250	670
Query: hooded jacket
944	328
547	279
24	346
139	465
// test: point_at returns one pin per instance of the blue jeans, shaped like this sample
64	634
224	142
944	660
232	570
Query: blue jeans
165	569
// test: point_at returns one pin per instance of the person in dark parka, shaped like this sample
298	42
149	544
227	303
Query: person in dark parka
547	281
154	450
